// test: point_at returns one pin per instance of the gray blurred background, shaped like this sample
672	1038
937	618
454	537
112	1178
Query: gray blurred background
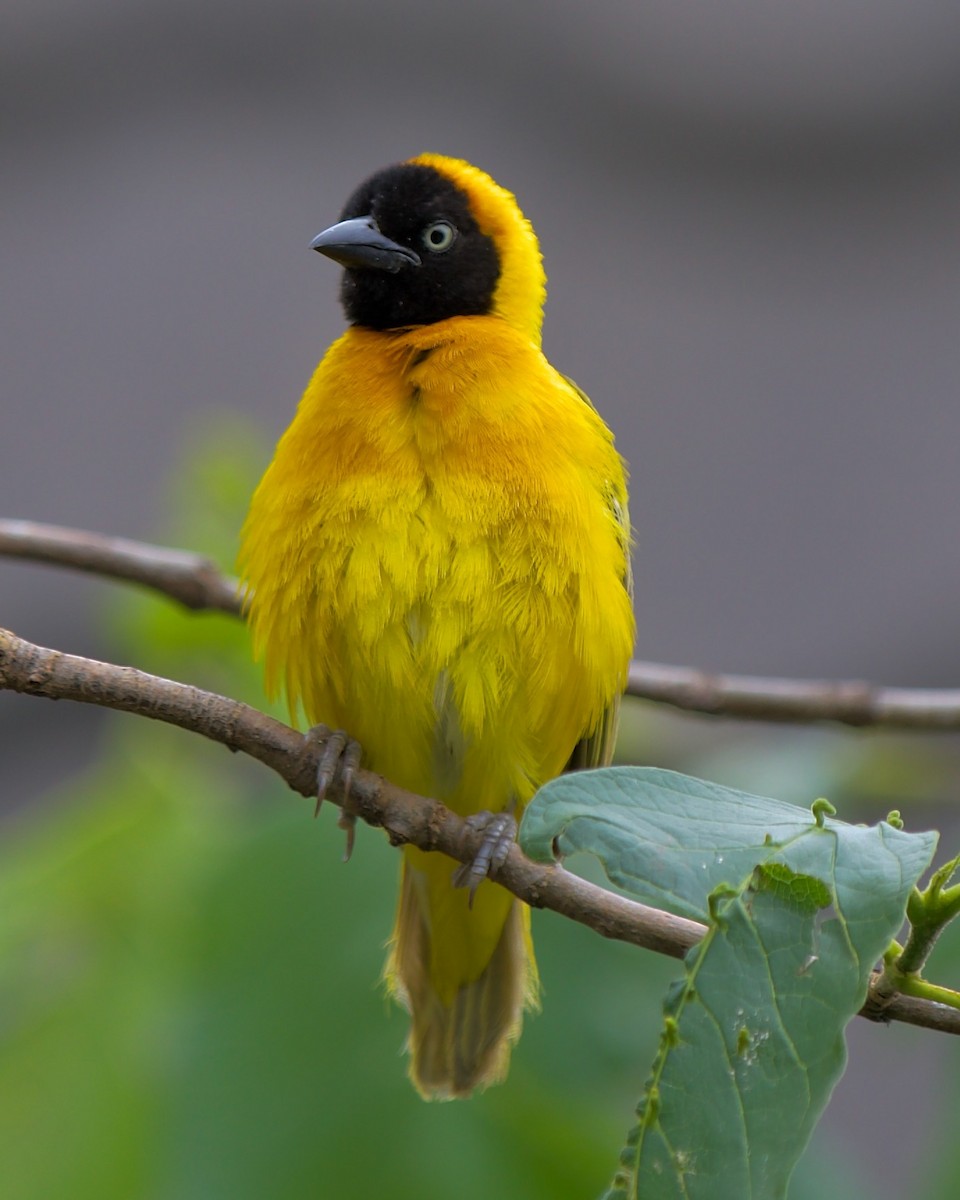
749	214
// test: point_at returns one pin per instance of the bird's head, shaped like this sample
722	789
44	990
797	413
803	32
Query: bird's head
433	238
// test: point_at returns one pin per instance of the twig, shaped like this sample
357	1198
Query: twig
797	700
406	818
195	582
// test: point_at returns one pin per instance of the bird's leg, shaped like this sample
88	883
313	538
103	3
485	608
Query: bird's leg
339	756
499	834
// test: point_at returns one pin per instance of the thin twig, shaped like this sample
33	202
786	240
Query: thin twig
192	579
195	582
406	818
799	701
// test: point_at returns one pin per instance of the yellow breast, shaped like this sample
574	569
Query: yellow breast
436	561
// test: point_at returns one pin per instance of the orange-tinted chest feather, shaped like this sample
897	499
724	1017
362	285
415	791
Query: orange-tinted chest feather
434	556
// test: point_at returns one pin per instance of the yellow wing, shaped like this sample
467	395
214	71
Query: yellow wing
596	748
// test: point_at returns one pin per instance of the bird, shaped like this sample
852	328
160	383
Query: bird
437	561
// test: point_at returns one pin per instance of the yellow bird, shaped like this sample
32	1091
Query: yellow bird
438	563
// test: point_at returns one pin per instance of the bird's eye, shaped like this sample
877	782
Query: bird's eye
439	236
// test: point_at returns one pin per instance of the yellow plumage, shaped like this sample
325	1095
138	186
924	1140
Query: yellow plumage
438	560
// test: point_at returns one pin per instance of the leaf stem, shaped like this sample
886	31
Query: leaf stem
915	986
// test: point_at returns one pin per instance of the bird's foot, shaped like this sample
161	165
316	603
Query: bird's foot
499	834
339	759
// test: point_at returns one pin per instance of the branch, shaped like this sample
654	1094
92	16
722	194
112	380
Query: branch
751	697
195	582
191	579
406	817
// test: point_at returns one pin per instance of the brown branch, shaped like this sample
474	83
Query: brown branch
191	579
752	697
195	582
406	818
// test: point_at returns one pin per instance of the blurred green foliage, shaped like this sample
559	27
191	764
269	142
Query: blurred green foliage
189	996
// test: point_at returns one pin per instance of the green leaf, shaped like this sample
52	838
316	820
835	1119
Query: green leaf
799	908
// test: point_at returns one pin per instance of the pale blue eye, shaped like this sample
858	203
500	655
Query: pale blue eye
439	236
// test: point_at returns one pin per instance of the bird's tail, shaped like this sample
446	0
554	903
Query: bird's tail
465	972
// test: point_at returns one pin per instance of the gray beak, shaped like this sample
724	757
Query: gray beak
358	243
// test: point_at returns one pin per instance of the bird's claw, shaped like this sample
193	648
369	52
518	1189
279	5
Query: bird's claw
499	834
339	757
